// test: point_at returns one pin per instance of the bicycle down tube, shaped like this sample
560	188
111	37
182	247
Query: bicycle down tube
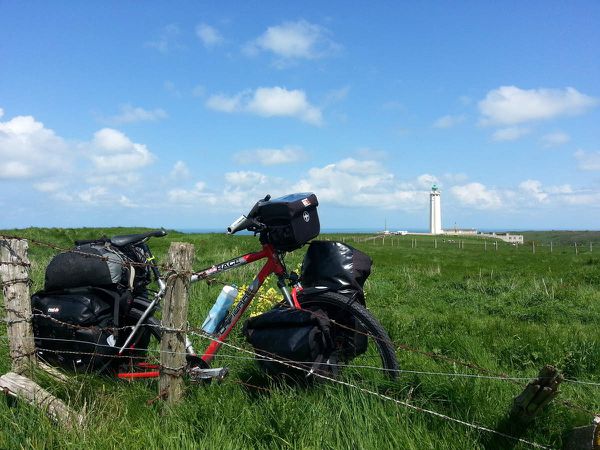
273	265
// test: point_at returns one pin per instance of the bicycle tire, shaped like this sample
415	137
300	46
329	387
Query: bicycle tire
349	316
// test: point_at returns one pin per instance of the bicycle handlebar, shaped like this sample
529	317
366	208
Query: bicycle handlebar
245	221
239	224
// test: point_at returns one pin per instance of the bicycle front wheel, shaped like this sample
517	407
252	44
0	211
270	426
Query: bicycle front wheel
363	348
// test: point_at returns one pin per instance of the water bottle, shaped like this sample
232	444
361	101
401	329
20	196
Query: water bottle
219	309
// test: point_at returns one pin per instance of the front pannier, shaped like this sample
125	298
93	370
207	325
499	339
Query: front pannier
343	269
336	266
72	327
291	220
300	338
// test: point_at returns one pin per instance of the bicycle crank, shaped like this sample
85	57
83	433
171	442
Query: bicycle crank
199	371
200	375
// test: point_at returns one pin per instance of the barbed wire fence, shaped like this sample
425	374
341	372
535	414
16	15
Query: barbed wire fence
466	242
172	356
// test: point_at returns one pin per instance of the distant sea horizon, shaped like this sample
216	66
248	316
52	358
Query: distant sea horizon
334	230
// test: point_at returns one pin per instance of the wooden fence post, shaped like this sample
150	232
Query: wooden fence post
550	246
14	275
576	252
533	247
174	319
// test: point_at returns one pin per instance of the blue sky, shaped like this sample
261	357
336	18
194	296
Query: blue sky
183	114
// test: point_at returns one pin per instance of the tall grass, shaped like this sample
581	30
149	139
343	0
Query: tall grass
509	311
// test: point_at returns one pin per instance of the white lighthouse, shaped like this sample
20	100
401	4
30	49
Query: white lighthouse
435	211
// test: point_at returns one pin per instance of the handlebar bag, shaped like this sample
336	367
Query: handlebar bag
296	337
291	221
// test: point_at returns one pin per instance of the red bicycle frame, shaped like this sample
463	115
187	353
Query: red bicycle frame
274	265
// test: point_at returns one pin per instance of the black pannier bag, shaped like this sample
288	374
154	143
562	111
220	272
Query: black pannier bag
336	266
87	265
297	337
72	327
292	220
88	291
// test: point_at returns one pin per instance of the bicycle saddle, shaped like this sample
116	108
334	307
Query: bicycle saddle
128	239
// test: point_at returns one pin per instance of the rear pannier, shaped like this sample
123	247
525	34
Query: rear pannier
72	327
87	265
291	220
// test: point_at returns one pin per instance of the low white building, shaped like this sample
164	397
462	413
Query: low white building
507	237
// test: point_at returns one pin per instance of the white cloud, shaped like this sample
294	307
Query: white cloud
270	156
279	101
477	195
126	202
194	196
294	40
555	139
180	171
588	160
509	133
241	190
533	188
167	40
561	189
583	199
371	153
28	149
224	103
113	151
336	95
360	183
510	105
426	180
269	102
449	121
120	179
209	36
132	114
245	178
454	178
93	195
363	167
555	195
48	186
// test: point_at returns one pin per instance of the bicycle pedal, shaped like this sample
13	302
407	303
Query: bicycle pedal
199	374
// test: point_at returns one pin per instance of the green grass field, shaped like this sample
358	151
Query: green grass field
508	310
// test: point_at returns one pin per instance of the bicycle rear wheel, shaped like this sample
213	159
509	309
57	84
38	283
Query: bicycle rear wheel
363	348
